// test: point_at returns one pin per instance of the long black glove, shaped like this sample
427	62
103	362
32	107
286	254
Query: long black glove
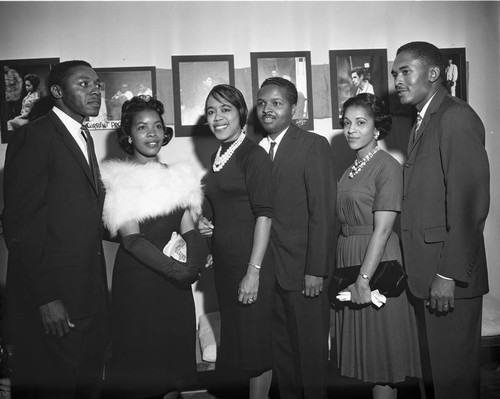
155	259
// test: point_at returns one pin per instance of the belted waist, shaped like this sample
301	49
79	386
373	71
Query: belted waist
356	230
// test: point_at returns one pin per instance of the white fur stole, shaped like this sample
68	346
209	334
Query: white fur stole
137	192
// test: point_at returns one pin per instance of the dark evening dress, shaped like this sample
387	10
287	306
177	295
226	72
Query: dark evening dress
237	195
374	345
153	320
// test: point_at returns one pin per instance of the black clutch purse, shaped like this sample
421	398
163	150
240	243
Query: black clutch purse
389	279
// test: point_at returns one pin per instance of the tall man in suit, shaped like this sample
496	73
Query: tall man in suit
302	238
445	204
56	276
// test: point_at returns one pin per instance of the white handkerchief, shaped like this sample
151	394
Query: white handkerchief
377	298
176	248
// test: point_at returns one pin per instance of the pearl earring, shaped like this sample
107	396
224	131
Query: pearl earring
129	140
376	134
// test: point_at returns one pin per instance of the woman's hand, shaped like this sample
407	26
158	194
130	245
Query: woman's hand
361	292
249	286
205	227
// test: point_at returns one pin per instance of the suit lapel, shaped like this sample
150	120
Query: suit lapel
431	111
284	147
72	146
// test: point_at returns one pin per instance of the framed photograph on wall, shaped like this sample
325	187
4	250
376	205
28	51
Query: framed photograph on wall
294	66
119	85
24	92
455	73
193	78
356	71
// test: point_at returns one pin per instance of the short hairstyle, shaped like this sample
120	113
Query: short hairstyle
290	89
360	71
375	108
233	96
59	74
428	54
131	108
33	79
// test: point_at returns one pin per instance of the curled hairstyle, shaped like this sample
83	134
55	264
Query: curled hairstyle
290	89
428	54
60	73
33	79
375	108
130	109
230	94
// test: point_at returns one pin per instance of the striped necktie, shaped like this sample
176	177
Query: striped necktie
271	150
94	167
416	126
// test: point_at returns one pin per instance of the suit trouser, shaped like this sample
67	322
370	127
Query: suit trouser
300	344
452	352
46	366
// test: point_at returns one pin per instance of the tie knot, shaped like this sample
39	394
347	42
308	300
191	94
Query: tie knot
273	143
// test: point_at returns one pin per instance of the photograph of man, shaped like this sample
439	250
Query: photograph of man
451	72
359	79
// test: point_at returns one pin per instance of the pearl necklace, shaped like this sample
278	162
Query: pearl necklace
220	161
358	165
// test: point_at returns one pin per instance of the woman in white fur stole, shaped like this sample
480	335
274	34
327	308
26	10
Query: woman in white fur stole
153	313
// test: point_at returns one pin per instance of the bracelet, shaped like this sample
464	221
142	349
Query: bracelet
254	265
365	276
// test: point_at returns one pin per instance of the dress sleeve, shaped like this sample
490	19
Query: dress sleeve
258	179
388	187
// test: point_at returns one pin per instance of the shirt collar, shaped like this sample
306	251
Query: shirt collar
279	137
70	124
424	108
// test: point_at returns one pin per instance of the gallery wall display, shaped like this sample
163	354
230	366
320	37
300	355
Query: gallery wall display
119	85
193	78
455	73
356	71
294	66
24	93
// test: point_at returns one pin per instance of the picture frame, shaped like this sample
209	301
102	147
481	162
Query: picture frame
294	66
13	92
120	84
193	78
345	79
457	57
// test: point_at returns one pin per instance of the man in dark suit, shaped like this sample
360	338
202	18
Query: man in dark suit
445	204
302	239
56	278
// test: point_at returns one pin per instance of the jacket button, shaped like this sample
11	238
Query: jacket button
99	253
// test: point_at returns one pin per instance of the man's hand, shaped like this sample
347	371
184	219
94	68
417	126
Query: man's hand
55	319
313	286
442	295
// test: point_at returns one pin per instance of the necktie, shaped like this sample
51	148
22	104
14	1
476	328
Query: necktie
416	126
271	150
91	154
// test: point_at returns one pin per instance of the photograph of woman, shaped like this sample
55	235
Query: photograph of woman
238	189
31	83
153	315
374	345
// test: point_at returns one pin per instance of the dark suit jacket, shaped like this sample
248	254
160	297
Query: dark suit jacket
52	222
446	199
305	193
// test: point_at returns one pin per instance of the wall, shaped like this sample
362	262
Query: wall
117	34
